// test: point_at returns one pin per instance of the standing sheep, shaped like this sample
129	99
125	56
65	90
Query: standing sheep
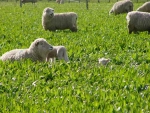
145	7
123	6
27	1
60	1
138	21
60	21
58	52
38	51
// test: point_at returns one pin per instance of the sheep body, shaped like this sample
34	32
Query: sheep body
60	1
123	6
58	21
58	52
138	21
145	7
38	51
27	1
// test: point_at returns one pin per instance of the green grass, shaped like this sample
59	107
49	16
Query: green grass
80	85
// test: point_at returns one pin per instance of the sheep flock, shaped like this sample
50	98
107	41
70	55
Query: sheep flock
41	50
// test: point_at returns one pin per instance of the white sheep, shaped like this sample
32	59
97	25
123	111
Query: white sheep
27	1
138	21
58	52
38	51
60	1
123	6
58	21
145	7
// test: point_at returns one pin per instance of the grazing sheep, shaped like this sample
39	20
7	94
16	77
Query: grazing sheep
58	52
123	6
145	7
60	21
27	1
60	1
138	21
103	61
38	51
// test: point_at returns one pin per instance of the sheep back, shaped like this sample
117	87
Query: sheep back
123	6
145	7
16	54
138	21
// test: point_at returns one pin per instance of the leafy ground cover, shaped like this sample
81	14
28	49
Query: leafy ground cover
80	85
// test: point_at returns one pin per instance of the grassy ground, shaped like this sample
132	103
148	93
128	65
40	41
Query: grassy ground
80	85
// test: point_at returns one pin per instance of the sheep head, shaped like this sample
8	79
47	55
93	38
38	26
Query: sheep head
40	48
48	12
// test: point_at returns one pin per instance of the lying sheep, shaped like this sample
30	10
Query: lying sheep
138	21
58	52
59	21
145	7
123	6
27	1
38	51
60	1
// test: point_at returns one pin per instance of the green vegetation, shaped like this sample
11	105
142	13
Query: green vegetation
80	86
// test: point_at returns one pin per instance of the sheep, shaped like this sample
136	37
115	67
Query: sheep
59	21
27	1
145	7
58	52
123	6
38	51
138	21
60	1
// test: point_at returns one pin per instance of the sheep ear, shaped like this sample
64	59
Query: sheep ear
37	43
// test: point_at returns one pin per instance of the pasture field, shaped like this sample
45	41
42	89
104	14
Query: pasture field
80	86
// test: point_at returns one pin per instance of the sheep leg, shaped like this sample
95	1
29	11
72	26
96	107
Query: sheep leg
149	31
66	57
130	29
52	29
60	54
135	32
73	29
52	60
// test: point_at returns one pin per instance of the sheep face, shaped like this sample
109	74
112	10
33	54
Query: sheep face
41	47
130	8
48	12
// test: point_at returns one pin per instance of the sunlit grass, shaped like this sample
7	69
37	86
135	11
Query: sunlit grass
80	85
